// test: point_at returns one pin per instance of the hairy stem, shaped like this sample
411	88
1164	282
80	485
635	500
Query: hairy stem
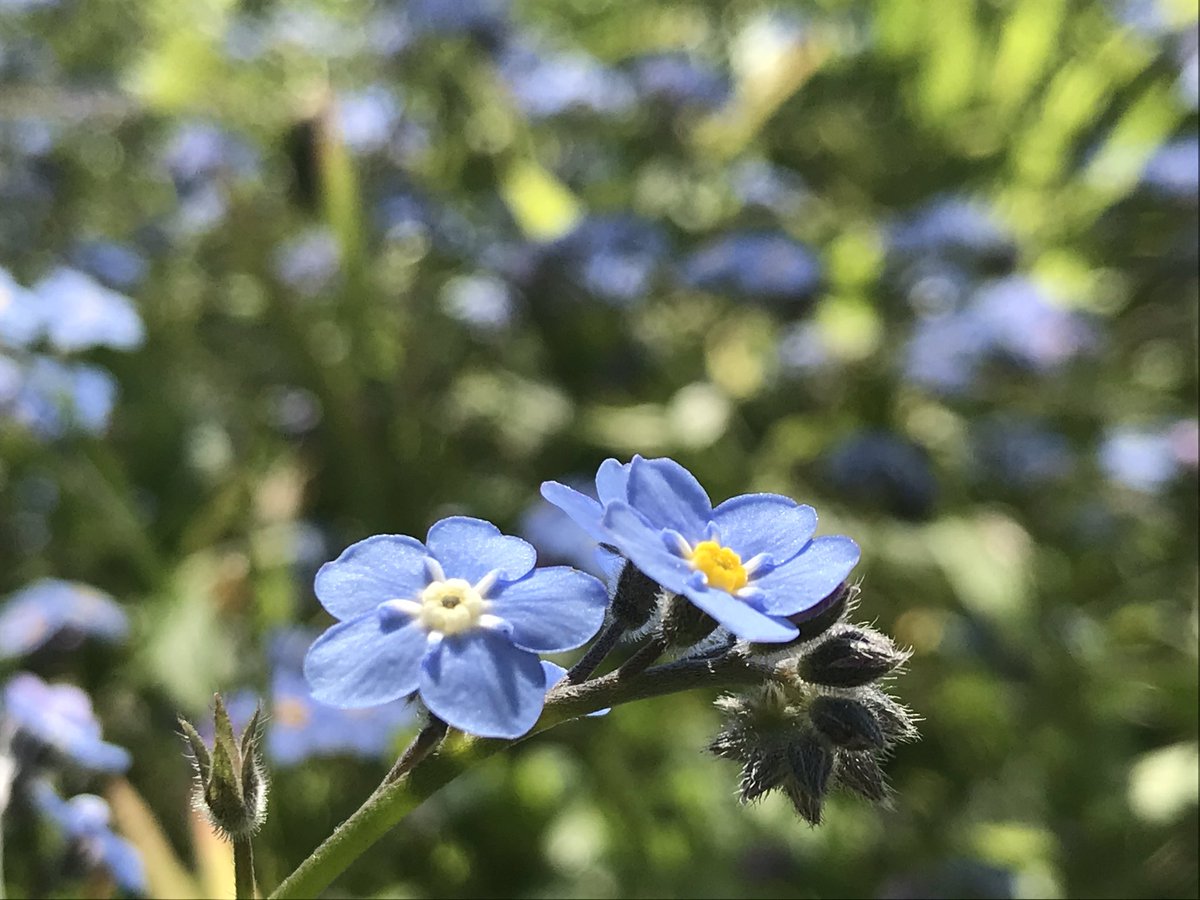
642	660
596	654
243	868
394	799
426	741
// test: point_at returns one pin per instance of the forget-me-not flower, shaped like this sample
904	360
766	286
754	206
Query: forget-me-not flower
50	606
60	716
84	821
750	563
79	313
459	619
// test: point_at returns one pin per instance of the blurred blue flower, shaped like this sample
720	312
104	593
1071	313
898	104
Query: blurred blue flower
308	262
200	151
459	619
1020	452
1009	319
755	265
803	347
549	85
1147	460
118	265
60	717
1174	171
760	183
750	563
20	323
953	227
300	728
881	470
30	617
55	396
78	313
84	822
678	79
614	258
478	17
481	301
367	118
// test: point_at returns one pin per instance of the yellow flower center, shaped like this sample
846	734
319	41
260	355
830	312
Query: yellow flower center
450	606
721	566
291	712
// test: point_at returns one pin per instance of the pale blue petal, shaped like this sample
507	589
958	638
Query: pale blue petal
123	861
373	571
808	577
669	496
358	663
582	509
552	609
471	548
765	523
612	479
644	547
741	618
480	683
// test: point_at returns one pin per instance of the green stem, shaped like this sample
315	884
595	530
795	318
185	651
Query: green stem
392	801
243	868
603	645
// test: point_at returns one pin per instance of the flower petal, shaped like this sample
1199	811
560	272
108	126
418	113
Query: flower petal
480	683
471	548
809	577
765	523
644	547
551	609
380	568
582	509
358	663
741	618
669	496
612	479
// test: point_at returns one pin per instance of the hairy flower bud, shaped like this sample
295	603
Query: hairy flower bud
683	623
850	656
860	772
895	720
846	723
231	787
811	764
635	598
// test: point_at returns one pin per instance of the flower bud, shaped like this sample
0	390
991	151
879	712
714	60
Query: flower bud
895	720
684	623
859	771
850	656
811	764
635	598
846	723
231	787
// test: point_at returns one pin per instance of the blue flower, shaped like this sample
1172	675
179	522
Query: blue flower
750	563
20	324
952	227
1146	460
49	606
679	80
60	716
549	85
84	821
79	313
459	619
1174	171
54	396
614	258
756	265
118	265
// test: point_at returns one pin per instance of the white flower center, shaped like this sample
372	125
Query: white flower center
451	606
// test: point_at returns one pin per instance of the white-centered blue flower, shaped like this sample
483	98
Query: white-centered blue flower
750	563
459	619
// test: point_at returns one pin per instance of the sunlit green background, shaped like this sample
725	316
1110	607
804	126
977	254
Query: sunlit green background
1054	627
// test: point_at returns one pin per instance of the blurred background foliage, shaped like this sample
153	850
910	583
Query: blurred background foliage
306	271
